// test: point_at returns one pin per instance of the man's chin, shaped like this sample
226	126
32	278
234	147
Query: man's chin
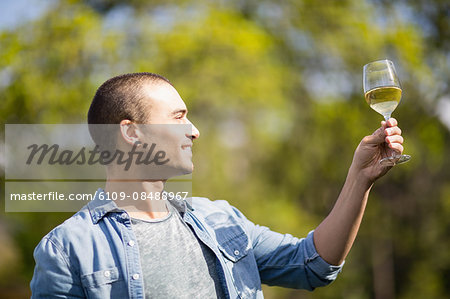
188	170
184	170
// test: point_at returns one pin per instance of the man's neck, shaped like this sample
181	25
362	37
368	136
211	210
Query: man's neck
141	199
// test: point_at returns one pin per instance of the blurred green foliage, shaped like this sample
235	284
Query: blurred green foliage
275	89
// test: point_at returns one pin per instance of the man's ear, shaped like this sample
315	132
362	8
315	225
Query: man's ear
128	131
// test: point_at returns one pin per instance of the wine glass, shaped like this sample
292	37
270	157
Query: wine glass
383	92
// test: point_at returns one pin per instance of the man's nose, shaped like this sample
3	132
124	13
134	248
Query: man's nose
195	132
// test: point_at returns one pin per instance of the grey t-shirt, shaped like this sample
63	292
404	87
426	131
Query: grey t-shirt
175	264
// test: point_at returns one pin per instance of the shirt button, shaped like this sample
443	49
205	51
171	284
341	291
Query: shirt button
124	216
135	276
131	243
107	273
236	252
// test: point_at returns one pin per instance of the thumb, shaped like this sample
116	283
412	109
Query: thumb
378	136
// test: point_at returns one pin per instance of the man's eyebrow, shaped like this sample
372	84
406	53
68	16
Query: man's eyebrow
183	111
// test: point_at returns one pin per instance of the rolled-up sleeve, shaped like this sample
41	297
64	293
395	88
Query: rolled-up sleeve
287	261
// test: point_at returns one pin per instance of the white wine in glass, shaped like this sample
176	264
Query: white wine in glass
383	92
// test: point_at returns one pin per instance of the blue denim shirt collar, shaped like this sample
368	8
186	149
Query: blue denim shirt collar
181	205
98	208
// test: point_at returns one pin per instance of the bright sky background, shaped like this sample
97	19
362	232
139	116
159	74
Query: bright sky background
13	12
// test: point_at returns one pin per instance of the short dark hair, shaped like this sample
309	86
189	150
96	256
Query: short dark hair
120	98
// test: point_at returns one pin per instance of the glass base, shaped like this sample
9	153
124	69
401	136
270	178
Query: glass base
394	160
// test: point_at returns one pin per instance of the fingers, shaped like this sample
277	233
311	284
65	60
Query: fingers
397	147
393	135
393	131
395	142
389	133
394	139
392	122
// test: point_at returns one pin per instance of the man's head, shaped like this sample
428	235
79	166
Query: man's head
123	97
130	101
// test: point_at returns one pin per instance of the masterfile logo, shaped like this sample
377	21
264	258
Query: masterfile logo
50	167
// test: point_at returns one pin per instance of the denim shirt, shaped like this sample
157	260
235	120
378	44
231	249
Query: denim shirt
94	253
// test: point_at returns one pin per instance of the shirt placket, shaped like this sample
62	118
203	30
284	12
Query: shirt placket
134	271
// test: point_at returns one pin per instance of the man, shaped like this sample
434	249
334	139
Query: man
196	249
